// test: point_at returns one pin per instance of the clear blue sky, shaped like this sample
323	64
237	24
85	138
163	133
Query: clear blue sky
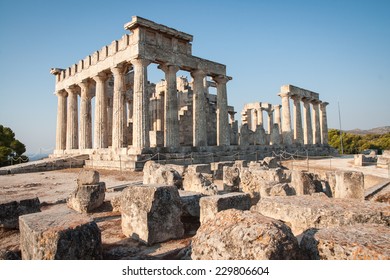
340	49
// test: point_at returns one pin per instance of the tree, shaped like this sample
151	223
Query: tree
10	146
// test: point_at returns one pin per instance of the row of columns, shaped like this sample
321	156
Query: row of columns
315	126
67	112
256	117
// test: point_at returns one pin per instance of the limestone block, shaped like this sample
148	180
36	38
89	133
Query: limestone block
331	180
86	198
217	168
190	211
275	137
259	136
116	203
151	213
358	160
304	212
240	164
197	182
281	189
154	173
304	183
349	185
270	162
88	177
243	235
11	210
357	242
199	168
59	234
231	179
211	205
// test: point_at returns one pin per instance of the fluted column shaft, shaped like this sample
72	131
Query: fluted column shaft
223	138
85	141
140	104
199	115
324	123
61	120
72	139
100	125
260	117
270	121
316	122
277	117
119	134
171	121
286	121
298	131
307	129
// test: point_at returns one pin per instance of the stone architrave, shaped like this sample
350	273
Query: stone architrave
222	111
298	132
119	124
100	123
151	213
140	103
324	123
72	139
286	120
61	120
316	122
307	129
85	141
199	116
171	125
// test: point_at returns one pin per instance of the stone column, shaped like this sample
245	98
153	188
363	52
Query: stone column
270	121
171	121
72	139
61	120
253	119
119	126
277	117
100	125
222	112
260	117
316	122
85	141
110	100
140	103
286	121
298	131
199	116
324	123
307	130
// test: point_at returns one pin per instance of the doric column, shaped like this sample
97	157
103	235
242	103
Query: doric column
286	121
100	125
253	119
110	101
270	121
260	117
119	110
171	121
222	111
85	141
277	117
316	122
61	120
324	123
307	130
72	140
298	131
140	103
199	115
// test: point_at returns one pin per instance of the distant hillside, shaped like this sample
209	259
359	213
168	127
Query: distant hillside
377	130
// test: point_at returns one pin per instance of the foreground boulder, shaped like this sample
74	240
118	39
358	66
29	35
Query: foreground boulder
243	235
59	234
155	173
11	210
87	198
305	183
357	242
304	212
151	213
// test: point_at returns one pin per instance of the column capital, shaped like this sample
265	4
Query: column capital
296	98
100	77
119	69
324	104
72	89
222	79
284	94
276	107
168	68
198	74
61	92
140	62
315	102
306	100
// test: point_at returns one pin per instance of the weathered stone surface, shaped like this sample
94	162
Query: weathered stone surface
270	162
349	185
86	198
8	255
88	177
281	189
116	203
304	212
190	211
304	183
357	242
231	179
155	173
197	182
59	234
199	168
151	213
11	210
217	168
211	205
243	235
